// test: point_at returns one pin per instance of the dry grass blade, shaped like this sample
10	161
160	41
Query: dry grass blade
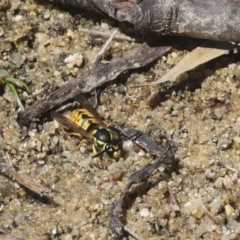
133	234
193	59
104	48
230	168
104	34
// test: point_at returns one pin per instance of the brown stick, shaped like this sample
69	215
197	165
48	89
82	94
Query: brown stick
10	172
93	78
215	19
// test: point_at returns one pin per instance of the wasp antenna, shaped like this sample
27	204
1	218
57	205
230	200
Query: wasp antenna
99	153
137	134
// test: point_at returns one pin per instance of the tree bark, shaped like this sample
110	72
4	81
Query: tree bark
208	19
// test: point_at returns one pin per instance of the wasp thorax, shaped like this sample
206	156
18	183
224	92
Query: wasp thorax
103	135
104	140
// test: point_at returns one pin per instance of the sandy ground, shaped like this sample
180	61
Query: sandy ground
199	115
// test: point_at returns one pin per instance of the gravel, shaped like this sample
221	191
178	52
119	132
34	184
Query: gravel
199	114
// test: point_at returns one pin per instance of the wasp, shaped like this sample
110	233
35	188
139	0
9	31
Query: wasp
86	122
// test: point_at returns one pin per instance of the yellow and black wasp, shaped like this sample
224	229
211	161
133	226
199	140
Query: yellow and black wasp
86	122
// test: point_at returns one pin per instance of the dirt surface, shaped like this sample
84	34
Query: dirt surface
199	114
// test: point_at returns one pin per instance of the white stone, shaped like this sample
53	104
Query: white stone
144	212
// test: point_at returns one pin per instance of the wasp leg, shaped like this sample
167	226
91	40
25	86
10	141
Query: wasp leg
81	143
94	149
76	135
109	124
98	163
62	129
83	140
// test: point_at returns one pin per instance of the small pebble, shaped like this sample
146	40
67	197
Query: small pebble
74	60
144	212
229	209
17	59
195	207
46	15
105	26
68	237
117	175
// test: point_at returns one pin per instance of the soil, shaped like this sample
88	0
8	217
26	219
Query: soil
198	114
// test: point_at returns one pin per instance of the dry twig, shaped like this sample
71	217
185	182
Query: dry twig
93	78
10	172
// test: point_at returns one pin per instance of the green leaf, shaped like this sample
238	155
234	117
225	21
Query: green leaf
17	81
15	94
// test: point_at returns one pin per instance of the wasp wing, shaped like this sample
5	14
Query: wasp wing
84	102
67	123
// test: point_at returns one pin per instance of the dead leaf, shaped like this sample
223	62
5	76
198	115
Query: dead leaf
193	59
